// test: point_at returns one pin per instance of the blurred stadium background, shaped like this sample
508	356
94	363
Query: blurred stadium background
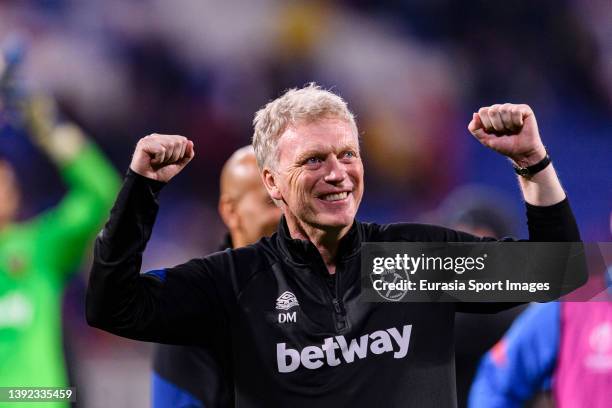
413	72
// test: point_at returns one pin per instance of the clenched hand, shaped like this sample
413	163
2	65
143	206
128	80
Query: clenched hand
161	157
511	130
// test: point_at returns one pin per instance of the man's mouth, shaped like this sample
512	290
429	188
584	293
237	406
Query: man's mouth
335	196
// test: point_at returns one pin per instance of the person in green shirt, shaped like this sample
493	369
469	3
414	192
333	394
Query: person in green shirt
37	257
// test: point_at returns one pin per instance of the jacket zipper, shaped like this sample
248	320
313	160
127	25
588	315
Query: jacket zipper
340	320
339	309
337	303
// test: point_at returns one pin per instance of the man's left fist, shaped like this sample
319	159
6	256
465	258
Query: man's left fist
511	130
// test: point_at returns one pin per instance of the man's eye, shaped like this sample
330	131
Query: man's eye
313	160
349	155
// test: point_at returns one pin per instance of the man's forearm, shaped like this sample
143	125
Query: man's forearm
160	305
114	278
543	189
121	300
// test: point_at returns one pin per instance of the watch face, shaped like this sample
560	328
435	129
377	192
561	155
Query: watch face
523	171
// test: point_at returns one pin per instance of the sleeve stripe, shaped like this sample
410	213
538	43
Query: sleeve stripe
158	273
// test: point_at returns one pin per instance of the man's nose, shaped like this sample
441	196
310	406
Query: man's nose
335	171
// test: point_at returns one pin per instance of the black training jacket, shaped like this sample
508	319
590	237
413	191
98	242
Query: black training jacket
202	372
298	336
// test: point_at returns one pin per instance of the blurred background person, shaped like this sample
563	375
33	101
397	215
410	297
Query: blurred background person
193	376
482	211
38	256
558	354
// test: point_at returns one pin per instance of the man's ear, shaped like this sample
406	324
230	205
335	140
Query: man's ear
269	181
227	211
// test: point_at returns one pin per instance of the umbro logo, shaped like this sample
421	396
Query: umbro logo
286	301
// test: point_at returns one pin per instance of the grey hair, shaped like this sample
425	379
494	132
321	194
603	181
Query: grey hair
306	104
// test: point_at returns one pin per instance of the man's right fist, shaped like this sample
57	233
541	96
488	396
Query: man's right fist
161	157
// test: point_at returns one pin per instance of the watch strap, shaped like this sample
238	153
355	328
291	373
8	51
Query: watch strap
533	169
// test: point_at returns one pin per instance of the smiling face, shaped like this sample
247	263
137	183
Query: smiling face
318	175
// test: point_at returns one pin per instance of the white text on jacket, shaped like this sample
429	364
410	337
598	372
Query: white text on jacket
313	357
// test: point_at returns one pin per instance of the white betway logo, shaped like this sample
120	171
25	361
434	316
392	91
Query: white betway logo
313	357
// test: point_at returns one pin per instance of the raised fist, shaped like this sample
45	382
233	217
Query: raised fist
511	130
161	157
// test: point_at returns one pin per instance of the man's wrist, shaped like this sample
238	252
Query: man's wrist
155	185
529	159
534	169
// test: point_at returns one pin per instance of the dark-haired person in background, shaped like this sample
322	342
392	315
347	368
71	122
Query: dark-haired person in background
483	211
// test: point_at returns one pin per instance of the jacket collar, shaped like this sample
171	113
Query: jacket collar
303	252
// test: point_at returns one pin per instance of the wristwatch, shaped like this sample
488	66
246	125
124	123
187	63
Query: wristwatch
534	169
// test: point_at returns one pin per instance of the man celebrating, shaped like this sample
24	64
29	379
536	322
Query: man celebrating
300	335
40	255
201	376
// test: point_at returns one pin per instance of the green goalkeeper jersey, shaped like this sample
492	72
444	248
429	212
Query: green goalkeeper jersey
36	260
